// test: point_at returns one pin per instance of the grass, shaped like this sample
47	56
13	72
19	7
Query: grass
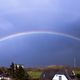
34	74
77	72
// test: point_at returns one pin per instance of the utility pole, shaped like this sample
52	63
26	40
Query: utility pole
74	61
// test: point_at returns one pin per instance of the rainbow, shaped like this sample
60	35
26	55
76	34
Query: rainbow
38	32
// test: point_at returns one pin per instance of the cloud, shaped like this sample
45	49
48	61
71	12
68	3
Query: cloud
5	24
38	14
16	6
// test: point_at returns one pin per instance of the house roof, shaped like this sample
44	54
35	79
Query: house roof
49	74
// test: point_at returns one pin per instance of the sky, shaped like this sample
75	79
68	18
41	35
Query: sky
40	15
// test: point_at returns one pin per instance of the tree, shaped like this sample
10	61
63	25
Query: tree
18	72
21	74
1	71
12	71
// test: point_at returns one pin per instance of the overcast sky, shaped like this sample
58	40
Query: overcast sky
39	15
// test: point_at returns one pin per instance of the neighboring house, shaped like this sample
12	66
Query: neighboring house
16	66
57	75
5	77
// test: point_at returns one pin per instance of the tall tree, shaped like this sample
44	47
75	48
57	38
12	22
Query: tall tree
21	74
12	71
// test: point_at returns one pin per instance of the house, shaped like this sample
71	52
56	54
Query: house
4	77
16	66
55	74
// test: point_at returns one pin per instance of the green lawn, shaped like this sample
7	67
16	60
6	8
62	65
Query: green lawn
34	74
77	71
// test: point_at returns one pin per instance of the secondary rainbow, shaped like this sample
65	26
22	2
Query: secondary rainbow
38	32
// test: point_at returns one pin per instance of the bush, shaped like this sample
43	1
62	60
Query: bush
18	72
78	75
